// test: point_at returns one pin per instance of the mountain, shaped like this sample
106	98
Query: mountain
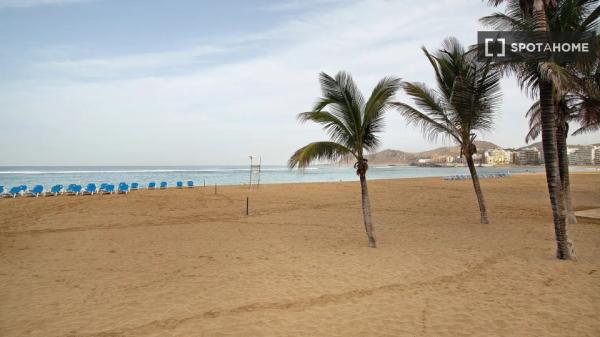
537	145
455	150
403	158
392	157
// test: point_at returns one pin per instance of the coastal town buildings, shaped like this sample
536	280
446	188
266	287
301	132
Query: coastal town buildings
584	155
497	157
577	155
529	156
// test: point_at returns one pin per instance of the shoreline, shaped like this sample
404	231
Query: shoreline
369	179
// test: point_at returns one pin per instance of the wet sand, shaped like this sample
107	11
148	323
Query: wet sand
191	263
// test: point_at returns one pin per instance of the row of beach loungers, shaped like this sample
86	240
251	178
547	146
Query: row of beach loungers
90	189
468	176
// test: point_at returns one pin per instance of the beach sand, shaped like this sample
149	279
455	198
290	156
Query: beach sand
191	263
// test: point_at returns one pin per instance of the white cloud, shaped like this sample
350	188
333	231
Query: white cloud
136	64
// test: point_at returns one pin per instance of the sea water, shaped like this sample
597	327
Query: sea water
221	175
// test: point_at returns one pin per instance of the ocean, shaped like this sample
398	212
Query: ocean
221	175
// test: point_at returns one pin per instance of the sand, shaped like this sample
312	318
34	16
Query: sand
191	263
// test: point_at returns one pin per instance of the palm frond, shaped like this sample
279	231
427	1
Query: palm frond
535	122
476	95
591	22
559	76
335	127
586	129
501	21
424	97
343	97
430	128
438	76
318	151
375	108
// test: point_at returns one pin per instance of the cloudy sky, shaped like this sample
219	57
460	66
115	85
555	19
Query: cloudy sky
140	82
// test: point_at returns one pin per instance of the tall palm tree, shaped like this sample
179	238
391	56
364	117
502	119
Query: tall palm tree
580	105
352	124
465	103
563	16
542	77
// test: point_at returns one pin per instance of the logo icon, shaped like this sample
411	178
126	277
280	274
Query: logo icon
491	46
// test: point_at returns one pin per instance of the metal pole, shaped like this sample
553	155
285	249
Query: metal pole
250	171
259	167
247	206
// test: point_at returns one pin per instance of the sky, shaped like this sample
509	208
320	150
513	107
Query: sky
192	82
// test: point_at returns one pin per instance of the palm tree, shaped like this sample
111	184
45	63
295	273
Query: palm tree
352	124
541	77
564	16
465	103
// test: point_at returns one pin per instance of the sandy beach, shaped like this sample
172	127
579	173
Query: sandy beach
191	263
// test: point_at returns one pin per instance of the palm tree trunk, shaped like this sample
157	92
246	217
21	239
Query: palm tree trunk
564	248
563	168
366	207
477	187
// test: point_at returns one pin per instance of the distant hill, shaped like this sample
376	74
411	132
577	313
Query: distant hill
455	150
537	145
402	158
392	157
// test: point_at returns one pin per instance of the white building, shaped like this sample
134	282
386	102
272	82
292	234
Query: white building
529	156
583	155
497	157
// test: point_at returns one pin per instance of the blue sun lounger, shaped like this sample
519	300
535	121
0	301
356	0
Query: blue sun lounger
190	184
13	192
179	184
73	189
107	189
90	189
163	184
134	186
55	190
123	188
17	190
35	191
151	185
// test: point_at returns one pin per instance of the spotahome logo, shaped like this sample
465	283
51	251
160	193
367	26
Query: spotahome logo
510	46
